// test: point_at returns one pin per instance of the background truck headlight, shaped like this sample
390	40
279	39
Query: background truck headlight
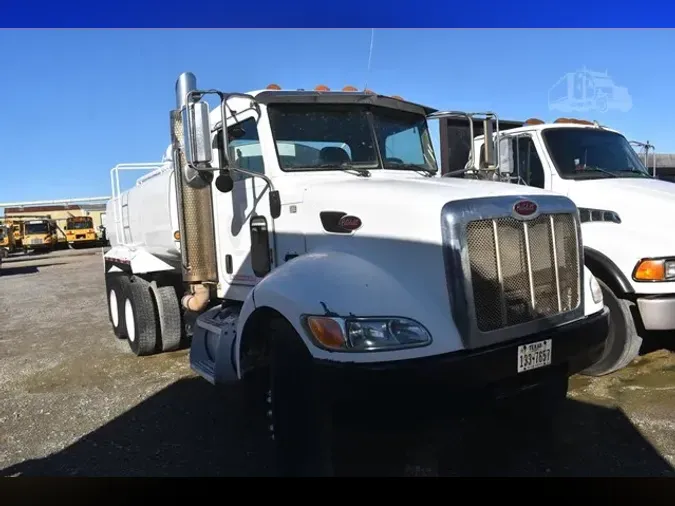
596	292
654	269
367	334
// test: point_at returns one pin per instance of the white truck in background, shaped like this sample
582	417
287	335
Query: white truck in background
624	214
301	241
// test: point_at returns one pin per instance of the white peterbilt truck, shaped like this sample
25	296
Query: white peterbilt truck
624	211
301	241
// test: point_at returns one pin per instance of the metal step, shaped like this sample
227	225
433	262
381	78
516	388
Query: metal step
205	369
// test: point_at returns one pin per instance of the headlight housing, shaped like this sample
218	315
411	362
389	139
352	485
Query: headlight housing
355	334
596	292
654	269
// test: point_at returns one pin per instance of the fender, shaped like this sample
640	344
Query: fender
339	283
133	261
599	263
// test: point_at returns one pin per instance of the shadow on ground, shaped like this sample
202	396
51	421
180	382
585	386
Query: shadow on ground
190	429
661	340
25	269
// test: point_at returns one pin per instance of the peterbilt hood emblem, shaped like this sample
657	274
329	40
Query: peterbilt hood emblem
525	209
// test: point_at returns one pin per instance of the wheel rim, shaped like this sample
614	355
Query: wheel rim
114	311
129	320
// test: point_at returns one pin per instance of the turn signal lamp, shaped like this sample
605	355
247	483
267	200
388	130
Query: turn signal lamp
651	270
326	331
322	87
349	88
397	97
273	87
534	121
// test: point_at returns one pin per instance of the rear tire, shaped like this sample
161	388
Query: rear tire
140	317
301	417
623	343
169	317
115	295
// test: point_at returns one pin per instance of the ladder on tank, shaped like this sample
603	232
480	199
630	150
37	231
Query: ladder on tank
121	227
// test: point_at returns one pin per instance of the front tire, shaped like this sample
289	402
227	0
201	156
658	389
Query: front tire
301	417
623	343
140	317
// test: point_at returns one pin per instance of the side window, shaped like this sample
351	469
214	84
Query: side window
404	147
244	147
528	164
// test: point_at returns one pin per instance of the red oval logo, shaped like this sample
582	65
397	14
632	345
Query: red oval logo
350	223
525	208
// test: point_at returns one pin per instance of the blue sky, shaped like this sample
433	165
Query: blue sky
78	102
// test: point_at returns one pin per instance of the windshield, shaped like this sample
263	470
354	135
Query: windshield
2	234
36	228
80	225
584	153
330	137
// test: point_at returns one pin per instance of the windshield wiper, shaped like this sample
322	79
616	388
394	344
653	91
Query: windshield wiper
590	168
410	166
637	171
346	166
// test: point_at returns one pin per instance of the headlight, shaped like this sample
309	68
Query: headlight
367	334
596	292
654	270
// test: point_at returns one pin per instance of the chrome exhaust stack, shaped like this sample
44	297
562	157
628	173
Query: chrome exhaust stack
195	203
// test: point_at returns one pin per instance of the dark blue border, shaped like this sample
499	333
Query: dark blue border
364	14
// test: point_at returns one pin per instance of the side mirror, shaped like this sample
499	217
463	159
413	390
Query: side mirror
197	134
489	143
505	156
275	204
224	182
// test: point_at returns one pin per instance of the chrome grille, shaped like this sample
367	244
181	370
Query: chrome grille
523	270
36	241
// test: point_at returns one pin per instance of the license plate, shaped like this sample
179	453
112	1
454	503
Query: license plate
534	355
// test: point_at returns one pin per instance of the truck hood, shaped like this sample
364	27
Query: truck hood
406	190
397	207
633	199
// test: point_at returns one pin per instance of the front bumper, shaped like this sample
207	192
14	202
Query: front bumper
491	370
657	312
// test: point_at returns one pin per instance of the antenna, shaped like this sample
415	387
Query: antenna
370	56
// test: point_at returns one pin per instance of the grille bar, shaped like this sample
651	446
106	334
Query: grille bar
523	270
528	255
500	277
555	262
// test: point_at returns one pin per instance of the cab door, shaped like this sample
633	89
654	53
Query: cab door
520	152
243	215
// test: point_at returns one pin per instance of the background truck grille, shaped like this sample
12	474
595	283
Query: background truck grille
523	270
36	241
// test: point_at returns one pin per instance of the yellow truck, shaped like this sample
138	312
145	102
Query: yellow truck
16	228
40	235
80	231
7	243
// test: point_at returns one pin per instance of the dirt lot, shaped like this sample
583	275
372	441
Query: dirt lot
74	401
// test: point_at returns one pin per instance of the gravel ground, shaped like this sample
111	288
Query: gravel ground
74	401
